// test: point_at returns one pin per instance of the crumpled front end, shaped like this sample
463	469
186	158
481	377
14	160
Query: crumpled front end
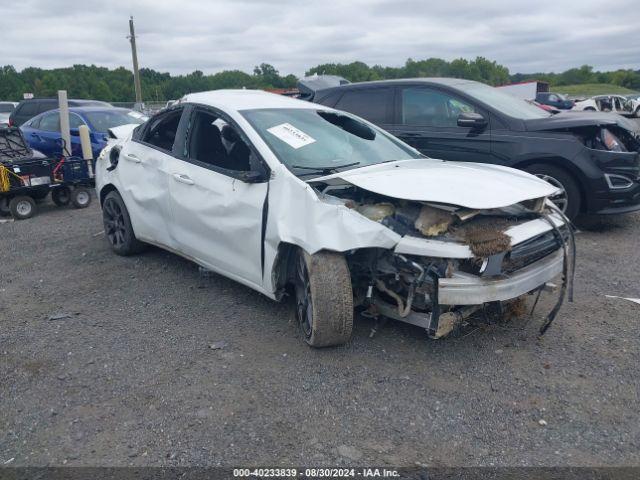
452	262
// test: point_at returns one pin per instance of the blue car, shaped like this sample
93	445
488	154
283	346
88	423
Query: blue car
42	132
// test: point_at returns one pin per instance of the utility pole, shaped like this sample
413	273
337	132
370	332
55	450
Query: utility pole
134	55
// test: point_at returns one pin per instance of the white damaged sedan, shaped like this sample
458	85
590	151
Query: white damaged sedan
288	196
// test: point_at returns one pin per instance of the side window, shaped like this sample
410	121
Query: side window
216	143
371	104
618	103
162	130
423	106
553	98
329	100
50	122
33	123
75	121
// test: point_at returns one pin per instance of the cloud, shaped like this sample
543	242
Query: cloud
295	35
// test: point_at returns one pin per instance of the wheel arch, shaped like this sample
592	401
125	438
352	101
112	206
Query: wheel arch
106	190
283	268
562	164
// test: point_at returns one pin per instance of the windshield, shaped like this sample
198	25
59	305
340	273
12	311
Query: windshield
503	102
104	120
310	141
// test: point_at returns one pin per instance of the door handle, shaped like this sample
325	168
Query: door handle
180	177
132	158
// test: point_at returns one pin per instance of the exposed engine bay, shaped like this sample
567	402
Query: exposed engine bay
611	139
411	288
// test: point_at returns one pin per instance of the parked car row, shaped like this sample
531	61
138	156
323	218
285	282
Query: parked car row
42	132
39	120
628	106
27	109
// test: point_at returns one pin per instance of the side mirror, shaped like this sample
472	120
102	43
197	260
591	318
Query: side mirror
471	120
253	176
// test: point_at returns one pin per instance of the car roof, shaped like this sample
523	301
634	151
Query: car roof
97	108
88	109
446	81
237	100
77	100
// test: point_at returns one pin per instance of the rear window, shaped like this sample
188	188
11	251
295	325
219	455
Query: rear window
371	104
103	121
27	109
50	122
6	108
46	105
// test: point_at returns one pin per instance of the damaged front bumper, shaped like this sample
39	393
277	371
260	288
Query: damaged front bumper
469	293
440	304
468	289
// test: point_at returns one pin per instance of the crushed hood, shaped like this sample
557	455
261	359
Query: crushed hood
575	119
469	185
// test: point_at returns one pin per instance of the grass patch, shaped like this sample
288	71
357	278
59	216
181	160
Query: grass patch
590	89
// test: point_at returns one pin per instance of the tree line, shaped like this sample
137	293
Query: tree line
116	85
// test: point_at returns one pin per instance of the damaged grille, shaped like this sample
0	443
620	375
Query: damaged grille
530	251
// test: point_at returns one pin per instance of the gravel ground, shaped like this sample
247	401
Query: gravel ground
127	376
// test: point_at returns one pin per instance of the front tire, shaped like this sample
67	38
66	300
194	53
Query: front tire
117	226
324	298
569	199
22	207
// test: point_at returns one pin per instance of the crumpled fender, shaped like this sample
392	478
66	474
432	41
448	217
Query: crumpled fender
313	224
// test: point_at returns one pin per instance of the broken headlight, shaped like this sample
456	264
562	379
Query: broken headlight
610	142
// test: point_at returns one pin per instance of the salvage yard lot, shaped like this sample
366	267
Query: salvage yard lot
128	375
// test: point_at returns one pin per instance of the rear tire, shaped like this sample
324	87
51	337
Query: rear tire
81	197
117	226
61	196
569	201
22	207
324	298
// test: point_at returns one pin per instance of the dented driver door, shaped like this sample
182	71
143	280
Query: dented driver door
217	219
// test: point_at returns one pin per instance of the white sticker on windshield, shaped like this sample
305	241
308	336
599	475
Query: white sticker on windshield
291	135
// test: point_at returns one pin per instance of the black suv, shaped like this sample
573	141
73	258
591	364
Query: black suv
591	157
27	109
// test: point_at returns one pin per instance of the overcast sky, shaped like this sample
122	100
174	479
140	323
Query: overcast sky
180	36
